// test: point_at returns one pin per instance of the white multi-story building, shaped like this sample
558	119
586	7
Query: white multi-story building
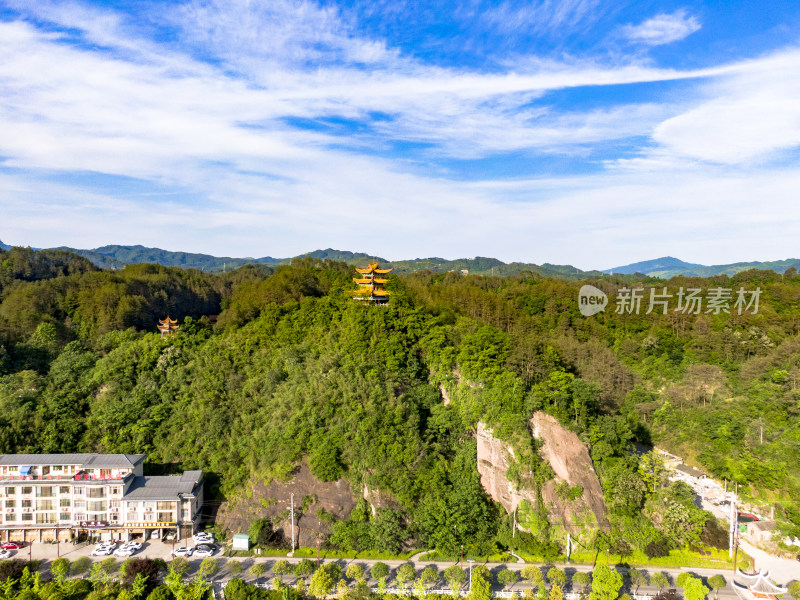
49	496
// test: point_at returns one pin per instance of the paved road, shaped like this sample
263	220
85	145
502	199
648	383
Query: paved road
158	549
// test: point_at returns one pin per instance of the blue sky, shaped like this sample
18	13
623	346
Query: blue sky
589	132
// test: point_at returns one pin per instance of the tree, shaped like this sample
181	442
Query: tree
334	570
638	578
660	580
180	566
532	574
653	471
404	574
145	568
236	567
257	570
282	567
80	565
794	589
355	572
582	579
556	593
694	589
379	571
208	568
455	577
304	568
429	575
717	582
507	577
606	583
108	565
321	583
60	567
557	576
481	586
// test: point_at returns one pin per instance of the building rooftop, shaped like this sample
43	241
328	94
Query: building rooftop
86	461
690	471
163	487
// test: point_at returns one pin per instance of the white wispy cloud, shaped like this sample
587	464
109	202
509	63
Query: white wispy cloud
214	124
662	29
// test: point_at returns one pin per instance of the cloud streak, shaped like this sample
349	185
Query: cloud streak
275	128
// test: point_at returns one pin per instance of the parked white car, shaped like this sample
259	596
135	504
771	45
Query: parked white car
182	551
204	550
128	549
4	554
203	538
103	550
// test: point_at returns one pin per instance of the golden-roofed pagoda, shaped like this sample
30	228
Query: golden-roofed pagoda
370	284
167	326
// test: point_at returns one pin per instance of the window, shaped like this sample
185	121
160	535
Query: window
78	491
45	505
11	516
114	517
45	517
97	506
97	492
65	502
27	490
115	491
185	515
44	491
80	516
64	489
132	517
105	473
64	516
80	505
10	491
115	503
166	517
27	516
165	506
27	503
11	503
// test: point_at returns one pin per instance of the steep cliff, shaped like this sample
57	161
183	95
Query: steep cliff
571	502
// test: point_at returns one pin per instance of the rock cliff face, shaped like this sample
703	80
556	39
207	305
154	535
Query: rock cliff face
273	499
576	510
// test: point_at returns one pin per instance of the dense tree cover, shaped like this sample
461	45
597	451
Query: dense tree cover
138	579
294	370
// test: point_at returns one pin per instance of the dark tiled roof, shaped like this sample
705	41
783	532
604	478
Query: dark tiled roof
690	471
163	487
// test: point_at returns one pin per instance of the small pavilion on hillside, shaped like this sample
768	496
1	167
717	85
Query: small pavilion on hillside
370	284
167	326
757	587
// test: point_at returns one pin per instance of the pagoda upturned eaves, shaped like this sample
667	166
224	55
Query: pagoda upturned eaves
370	287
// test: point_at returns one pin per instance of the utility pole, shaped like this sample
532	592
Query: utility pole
319	539
569	544
292	524
514	530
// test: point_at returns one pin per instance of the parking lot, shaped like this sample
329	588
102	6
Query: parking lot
49	552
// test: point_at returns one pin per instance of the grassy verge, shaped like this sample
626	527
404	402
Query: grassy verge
367	554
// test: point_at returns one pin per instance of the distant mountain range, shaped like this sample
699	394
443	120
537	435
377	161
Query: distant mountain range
116	257
669	266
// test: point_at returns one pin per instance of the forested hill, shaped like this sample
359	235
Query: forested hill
116	257
277	365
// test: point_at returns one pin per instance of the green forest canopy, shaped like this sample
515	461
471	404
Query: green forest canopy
272	366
